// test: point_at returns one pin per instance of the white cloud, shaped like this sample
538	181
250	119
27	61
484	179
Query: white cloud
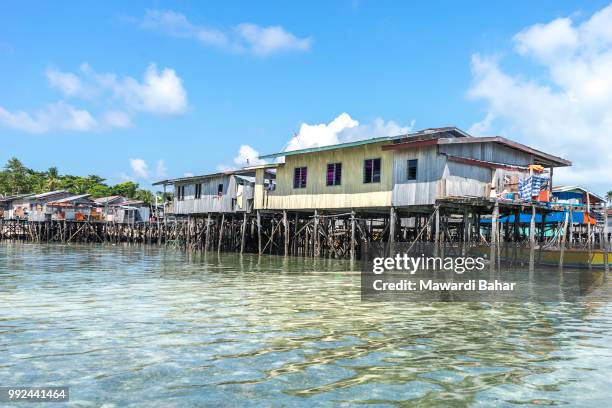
160	92
188	174
340	130
68	83
140	168
343	129
268	40
250	38
142	171
568	112
247	156
53	117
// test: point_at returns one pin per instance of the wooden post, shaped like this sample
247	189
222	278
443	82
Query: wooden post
352	235
517	226
437	226
543	227
243	232
188	238
571	226
588	220
286	228
495	224
272	229
392	222
317	243
221	232
294	248
532	227
562	244
207	238
605	239
466	225
259	232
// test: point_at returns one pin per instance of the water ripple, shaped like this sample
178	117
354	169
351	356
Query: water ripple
146	326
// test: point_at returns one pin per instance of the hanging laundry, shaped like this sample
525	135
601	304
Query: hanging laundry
525	188
531	186
537	183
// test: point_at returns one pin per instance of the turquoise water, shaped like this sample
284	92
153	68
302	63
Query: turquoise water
144	326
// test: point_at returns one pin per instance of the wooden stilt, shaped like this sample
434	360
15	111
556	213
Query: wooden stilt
286	231
316	237
532	225
259	232
437	227
243	232
221	232
207	237
588	219
562	241
392	224
495	224
352	235
606	243
571	226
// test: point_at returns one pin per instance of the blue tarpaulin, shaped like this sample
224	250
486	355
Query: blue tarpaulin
557	216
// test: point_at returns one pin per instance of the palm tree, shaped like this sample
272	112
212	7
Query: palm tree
609	196
144	195
53	179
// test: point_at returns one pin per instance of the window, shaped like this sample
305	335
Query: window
220	189
334	174
180	193
299	177
198	191
412	169
371	171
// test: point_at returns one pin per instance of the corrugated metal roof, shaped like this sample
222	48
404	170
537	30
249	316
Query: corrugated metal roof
70	199
49	193
246	178
545	158
560	189
425	133
14	197
328	147
130	202
243	171
104	200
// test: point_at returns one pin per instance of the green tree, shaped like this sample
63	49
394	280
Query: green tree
145	195
54	181
127	189
99	190
16	177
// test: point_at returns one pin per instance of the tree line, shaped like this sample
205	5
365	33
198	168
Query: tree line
15	178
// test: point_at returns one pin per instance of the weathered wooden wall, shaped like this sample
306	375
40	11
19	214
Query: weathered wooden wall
210	200
488	151
426	188
351	193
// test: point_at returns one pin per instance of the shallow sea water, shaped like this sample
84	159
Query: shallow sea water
149	326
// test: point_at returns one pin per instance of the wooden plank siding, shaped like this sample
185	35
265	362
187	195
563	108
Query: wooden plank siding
436	178
430	170
488	151
210	200
351	193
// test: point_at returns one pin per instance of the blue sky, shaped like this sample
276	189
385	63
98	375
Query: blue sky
75	91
